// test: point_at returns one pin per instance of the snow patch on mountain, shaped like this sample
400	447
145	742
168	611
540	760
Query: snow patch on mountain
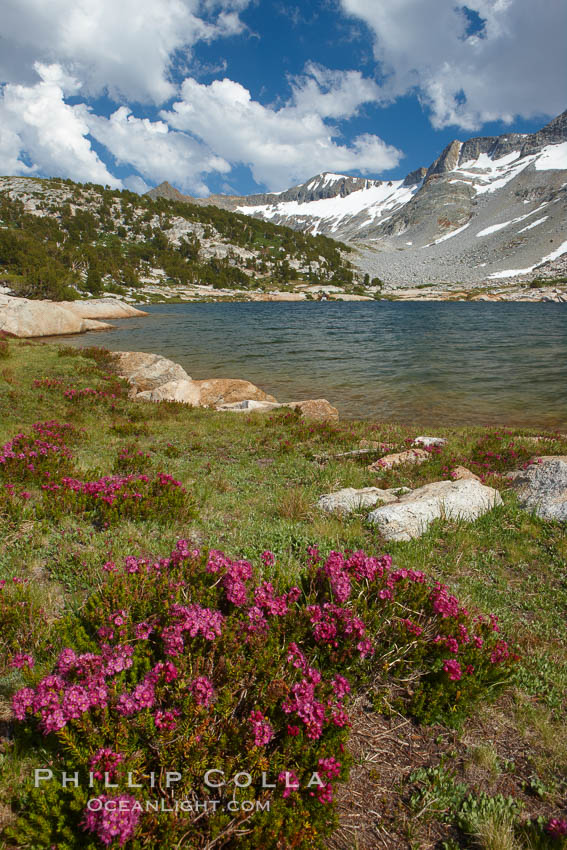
562	249
533	224
374	201
552	157
490	175
448	235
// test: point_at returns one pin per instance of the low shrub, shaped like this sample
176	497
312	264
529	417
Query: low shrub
495	452
38	456
111	390
187	664
113	498
131	459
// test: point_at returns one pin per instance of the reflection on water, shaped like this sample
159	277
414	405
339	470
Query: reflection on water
430	362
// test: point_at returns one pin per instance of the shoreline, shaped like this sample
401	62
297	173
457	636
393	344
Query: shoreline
507	293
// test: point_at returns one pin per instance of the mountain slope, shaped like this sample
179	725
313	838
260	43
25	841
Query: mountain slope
486	208
59	238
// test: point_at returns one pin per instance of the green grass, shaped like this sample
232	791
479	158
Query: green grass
255	480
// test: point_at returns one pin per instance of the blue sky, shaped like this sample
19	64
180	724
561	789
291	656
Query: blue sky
247	95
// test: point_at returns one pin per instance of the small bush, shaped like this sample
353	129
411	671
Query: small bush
111	390
294	504
495	452
131	460
4	349
187	664
116	497
37	457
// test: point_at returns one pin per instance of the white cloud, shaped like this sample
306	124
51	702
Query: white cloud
332	94
287	144
515	66
122	46
42	134
157	152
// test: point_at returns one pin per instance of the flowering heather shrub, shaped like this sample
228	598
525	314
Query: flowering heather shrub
446	655
495	452
132	459
38	456
112	390
187	664
116	497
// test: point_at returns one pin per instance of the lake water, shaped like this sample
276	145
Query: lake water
427	362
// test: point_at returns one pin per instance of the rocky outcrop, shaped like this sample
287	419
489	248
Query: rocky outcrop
415	177
184	391
24	317
447	161
103	308
169	192
146	372
542	487
349	499
411	516
318	409
552	134
155	378
221	391
411	456
249	405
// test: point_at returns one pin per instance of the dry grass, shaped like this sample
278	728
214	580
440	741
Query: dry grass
294	504
497	833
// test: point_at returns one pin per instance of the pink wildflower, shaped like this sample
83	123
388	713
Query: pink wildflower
262	730
290	782
268	558
110	823
166	719
21	659
325	794
330	767
143	630
105	760
557	827
453	669
202	690
500	652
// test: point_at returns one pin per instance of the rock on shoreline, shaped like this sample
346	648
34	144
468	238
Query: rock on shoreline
542	487
25	317
155	378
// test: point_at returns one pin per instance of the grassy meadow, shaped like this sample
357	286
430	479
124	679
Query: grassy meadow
492	780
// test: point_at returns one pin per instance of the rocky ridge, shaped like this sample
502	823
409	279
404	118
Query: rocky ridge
489	209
